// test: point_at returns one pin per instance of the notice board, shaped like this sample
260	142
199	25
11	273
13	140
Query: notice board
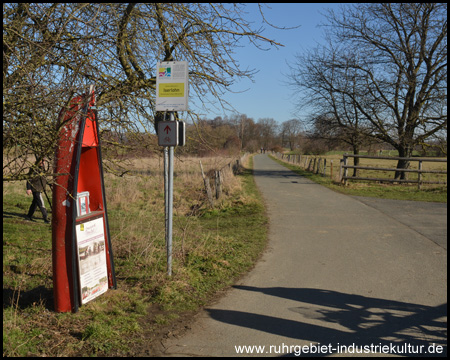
172	87
92	269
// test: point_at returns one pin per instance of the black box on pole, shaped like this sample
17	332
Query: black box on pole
181	133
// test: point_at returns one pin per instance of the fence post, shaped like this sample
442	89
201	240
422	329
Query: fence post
345	170
419	174
207	186
324	166
343	166
218	184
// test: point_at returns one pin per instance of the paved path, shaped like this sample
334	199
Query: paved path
338	270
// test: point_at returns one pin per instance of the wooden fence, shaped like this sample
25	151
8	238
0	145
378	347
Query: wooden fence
217	176
344	170
316	165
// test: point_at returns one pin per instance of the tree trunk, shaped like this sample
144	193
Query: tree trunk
403	151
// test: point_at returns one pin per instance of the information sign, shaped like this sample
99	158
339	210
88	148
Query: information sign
172	86
168	133
92	268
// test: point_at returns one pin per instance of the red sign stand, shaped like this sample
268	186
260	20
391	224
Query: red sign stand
78	169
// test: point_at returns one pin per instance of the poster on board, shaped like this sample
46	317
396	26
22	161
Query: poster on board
172	88
93	273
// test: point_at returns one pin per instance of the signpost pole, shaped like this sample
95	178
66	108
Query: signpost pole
166	196
170	207
172	92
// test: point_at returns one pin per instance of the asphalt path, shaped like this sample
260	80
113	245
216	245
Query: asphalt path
339	273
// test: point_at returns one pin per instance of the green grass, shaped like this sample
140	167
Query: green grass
373	189
211	249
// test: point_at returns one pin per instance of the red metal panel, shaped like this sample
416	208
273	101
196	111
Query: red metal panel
90	137
62	217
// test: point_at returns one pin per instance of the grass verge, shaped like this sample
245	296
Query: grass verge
212	248
373	189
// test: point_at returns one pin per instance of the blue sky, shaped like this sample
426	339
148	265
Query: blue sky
269	96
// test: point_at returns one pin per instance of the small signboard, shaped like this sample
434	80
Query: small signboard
172	87
83	203
168	133
93	273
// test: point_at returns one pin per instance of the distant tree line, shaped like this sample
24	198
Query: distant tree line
231	135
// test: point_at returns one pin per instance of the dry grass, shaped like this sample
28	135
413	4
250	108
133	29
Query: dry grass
136	208
188	182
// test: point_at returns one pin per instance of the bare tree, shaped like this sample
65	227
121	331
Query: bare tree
35	40
268	129
385	65
290	131
53	51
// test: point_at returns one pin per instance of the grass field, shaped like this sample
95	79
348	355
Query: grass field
212	247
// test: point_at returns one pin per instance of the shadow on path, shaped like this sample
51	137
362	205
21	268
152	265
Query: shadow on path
366	320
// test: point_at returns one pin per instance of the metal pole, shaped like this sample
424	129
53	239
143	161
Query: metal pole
170	207
166	195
